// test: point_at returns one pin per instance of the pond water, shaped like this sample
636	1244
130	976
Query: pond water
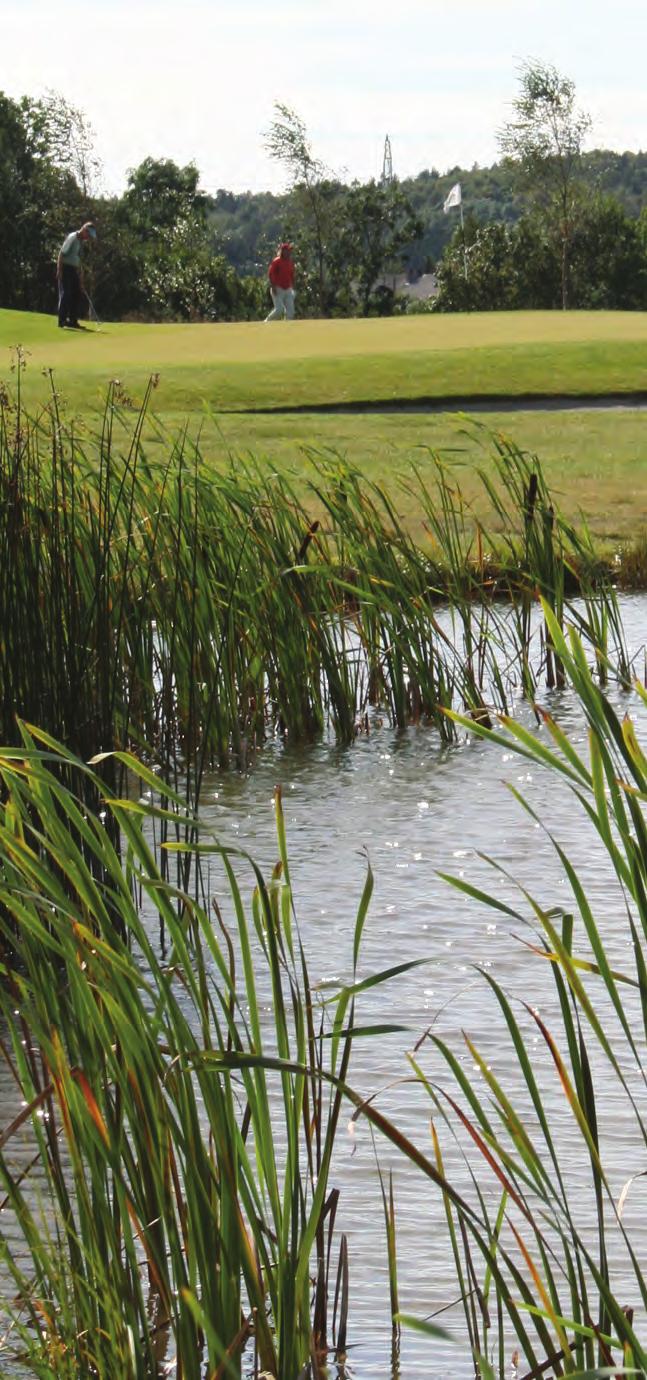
415	809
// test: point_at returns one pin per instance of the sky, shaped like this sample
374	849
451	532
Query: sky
196	80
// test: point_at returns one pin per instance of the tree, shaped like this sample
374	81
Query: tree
39	202
160	193
476	272
287	141
608	260
545	139
16	168
61	135
166	219
375	223
518	267
536	265
166	265
250	224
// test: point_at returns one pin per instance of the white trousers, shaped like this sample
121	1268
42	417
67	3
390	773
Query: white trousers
283	299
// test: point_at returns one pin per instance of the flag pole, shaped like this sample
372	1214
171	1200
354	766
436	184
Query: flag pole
455	198
464	244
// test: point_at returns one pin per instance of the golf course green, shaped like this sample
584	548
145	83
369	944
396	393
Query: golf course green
235	382
248	365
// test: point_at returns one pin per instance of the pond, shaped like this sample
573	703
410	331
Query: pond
414	808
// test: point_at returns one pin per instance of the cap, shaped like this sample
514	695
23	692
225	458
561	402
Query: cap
286	245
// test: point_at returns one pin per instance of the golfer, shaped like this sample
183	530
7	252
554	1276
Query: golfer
69	274
281	276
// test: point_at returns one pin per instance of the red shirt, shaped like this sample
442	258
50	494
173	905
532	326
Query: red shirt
281	272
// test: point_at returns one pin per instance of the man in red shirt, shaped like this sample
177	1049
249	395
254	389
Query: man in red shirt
281	277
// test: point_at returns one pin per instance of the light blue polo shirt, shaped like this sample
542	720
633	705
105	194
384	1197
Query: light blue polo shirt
71	250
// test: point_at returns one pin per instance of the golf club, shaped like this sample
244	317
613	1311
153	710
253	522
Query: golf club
93	313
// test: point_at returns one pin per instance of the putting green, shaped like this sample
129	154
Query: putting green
248	342
247	365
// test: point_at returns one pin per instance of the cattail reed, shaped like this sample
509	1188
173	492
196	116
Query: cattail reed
150	601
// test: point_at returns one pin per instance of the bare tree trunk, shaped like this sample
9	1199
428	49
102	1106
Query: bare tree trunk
316	216
566	233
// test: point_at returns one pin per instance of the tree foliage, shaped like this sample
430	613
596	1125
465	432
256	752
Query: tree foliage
519	266
549	223
38	199
288	143
375	226
61	135
547	130
168	266
250	224
544	139
347	236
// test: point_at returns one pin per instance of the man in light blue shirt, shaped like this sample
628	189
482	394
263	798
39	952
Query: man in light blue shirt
69	274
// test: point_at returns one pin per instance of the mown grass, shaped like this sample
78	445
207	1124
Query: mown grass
594	462
306	363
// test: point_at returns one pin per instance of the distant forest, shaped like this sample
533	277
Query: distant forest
247	225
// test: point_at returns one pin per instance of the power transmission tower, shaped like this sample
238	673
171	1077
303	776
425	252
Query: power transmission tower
387	163
387	181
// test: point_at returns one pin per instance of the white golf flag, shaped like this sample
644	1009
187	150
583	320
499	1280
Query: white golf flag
453	198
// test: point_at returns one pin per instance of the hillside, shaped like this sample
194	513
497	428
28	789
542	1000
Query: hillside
249	224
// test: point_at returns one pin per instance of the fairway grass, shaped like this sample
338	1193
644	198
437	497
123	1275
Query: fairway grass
595	462
251	365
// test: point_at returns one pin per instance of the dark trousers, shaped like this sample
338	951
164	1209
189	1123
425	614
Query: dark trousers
70	297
